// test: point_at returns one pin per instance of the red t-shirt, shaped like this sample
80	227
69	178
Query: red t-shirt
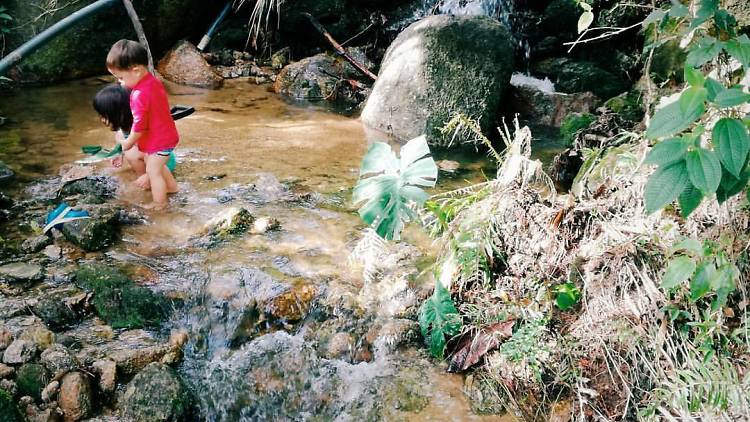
151	116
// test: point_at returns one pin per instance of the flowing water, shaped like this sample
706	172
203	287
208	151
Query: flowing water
244	147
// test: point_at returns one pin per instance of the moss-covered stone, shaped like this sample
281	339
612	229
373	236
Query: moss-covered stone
156	394
668	62
572	124
119	301
31	380
439	66
8	410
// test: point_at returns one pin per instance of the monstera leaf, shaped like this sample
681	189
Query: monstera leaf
439	318
389	186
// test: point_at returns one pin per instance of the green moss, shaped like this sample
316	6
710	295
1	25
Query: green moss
627	105
31	380
8	410
119	301
574	123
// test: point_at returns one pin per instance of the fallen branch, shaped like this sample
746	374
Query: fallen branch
339	49
139	30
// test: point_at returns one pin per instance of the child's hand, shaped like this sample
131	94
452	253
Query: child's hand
117	161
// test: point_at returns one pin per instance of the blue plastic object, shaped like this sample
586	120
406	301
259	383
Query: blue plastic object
63	211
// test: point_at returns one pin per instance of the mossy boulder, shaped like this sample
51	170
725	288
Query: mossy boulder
54	311
8	410
579	76
436	67
156	394
119	301
31	380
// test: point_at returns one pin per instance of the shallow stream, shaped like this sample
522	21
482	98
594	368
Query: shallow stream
245	147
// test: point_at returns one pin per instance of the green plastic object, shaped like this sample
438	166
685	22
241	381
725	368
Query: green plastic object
100	155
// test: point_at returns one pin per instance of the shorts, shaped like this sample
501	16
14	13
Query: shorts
165	152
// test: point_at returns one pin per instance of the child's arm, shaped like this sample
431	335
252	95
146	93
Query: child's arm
130	141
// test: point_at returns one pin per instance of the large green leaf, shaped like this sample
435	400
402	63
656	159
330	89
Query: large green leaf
693	98
704	169
732	143
689	200
731	97
665	185
694	77
679	270
670	119
705	50
723	283
439	318
567	295
739	48
714	88
700	285
389	186
667	152
731	185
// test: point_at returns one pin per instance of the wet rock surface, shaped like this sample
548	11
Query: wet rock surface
184	64
155	394
20	351
76	396
119	301
21	272
439	66
95	233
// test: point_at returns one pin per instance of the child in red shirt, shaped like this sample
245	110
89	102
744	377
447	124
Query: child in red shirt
153	130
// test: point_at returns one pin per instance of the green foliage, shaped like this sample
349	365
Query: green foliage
31	379
526	346
439	318
700	165
390	188
700	277
573	124
8	408
566	295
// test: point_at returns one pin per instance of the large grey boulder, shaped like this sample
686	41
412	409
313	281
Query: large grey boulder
436	67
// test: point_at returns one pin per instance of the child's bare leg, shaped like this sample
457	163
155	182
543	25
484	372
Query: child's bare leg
155	164
137	161
171	182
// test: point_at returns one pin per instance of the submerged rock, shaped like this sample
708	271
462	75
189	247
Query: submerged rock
119	301
76	396
439	66
94	233
184	64
92	189
156	394
229	222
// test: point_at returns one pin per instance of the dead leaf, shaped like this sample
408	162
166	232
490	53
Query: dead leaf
474	344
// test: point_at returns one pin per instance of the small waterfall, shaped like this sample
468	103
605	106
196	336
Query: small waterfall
497	9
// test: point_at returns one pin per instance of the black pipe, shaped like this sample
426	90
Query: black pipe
210	33
48	34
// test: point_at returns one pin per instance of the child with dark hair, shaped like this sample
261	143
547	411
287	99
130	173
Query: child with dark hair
112	103
153	129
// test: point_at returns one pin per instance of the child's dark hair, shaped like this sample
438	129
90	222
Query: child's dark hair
125	54
113	104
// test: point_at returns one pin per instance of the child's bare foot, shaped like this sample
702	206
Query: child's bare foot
155	206
143	182
175	190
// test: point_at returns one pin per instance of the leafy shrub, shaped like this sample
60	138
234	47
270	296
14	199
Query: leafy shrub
703	136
